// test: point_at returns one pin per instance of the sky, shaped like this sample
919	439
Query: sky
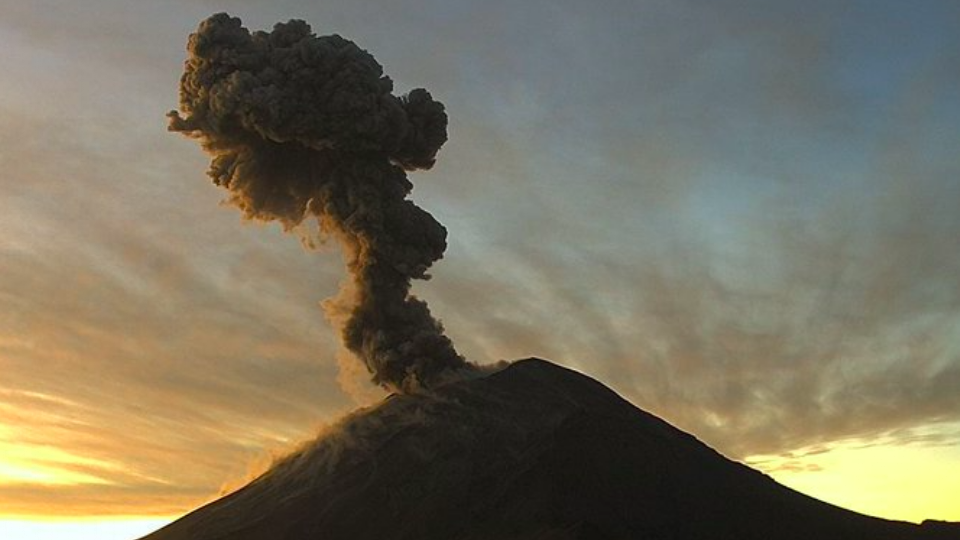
740	215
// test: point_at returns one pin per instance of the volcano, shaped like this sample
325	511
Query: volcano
532	452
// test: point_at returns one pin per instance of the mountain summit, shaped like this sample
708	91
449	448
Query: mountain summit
532	452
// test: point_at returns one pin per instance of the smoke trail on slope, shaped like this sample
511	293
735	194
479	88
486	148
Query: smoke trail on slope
302	126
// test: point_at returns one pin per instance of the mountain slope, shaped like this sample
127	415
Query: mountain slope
535	451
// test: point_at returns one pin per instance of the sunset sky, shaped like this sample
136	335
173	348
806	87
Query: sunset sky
744	216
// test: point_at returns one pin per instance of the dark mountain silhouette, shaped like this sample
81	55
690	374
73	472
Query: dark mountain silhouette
535	451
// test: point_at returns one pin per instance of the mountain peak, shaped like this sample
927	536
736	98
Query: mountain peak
534	451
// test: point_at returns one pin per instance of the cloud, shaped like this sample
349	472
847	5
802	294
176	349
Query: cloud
804	321
302	127
740	235
130	346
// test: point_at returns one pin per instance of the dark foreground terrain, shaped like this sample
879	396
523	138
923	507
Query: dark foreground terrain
535	451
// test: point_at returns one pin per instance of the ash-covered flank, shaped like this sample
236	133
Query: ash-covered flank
534	451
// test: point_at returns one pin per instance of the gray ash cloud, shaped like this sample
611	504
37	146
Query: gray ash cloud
302	127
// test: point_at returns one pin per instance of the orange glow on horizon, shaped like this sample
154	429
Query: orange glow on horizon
899	482
126	528
38	464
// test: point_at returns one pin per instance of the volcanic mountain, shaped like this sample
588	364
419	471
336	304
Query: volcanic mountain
534	451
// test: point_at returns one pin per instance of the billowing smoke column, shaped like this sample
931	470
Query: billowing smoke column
301	126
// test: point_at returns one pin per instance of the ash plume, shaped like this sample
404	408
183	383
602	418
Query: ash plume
301	126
